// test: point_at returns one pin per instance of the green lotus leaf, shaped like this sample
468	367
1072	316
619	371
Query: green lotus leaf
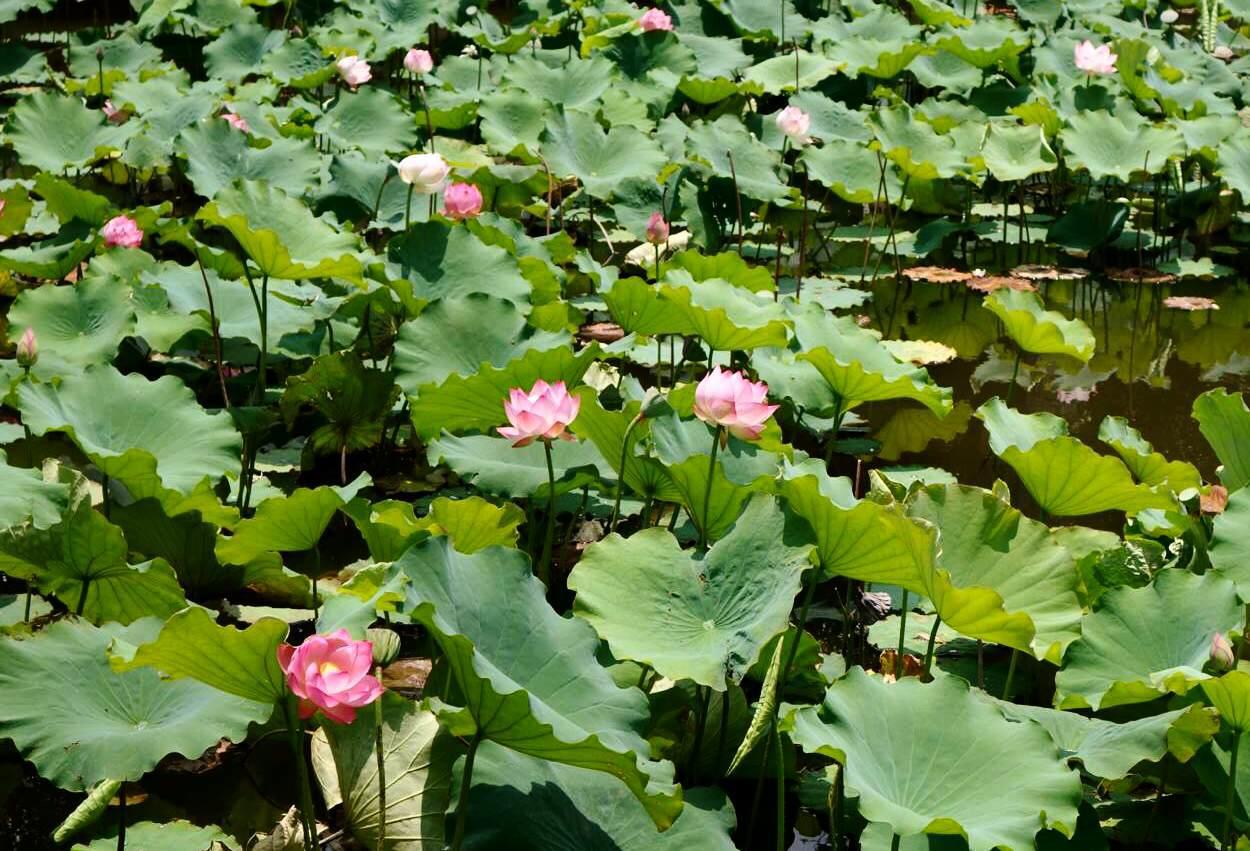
216	155
1224	421
390	24
639	308
168	836
512	118
790	72
1230	695
354	401
192	646
935	758
239	52
286	524
990	40
186	541
81	723
880	544
912	429
1230	542
280	235
418	759
1143	642
766	20
1015	152
54	132
76	326
574	83
67	202
473	523
51	258
445	262
513	671
298	63
858	368
1035	329
1148	467
85	555
574	144
727	266
607	430
142	433
985	542
915	147
700	617
487	330
728	318
495	466
371	120
476	402
1065	476
537	805
27	496
1119	145
1106	749
851	170
707	92
1234	158
711	145
880	43
788	377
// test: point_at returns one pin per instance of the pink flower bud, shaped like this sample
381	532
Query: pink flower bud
113	114
330	673
425	173
541	414
354	70
1222	656
238	122
419	61
27	349
795	123
462	201
1095	60
123	231
655	19
657	229
732	400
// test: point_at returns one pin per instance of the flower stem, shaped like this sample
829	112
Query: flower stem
620	488
377	749
1011	673
462	803
928	653
781	789
707	490
1230	797
544	562
295	731
902	634
408	210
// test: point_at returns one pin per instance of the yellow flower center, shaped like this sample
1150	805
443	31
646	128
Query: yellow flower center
329	668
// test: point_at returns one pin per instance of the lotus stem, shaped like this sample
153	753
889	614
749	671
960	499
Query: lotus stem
408	213
620	489
1231	794
377	749
1011	673
928	653
724	730
462	803
121	818
377	202
544	563
1015	372
82	596
212	319
702	697
781	789
902	635
707	490
295	732
895	841
798	633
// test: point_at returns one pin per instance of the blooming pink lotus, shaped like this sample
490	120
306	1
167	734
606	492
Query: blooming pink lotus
419	61
795	123
238	122
27	349
354	70
655	19
462	201
330	673
657	229
123	231
1095	60
541	414
732	400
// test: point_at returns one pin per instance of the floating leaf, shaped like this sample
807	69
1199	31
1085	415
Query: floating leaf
574	144
55	132
494	465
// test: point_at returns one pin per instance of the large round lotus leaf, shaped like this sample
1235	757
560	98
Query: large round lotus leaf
52	258
487	330
150	836
1230	694
1224	421
1148	467
1065	476
1234	157
937	758
240	50
511	119
371	120
915	147
76	326
80	723
1117	145
985	542
698	617
575	83
851	170
444	262
55	132
217	154
1035	329
725	148
513	658
726	317
785	72
495	466
418	759
137	431
1144	642
280	235
1230	543
574	144
25	495
912	429
638	308
1016	152
527	804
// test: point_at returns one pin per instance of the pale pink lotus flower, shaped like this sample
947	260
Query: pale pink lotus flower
657	229
1095	60
544	413
462	201
1076	394
732	400
354	70
330	673
655	19
113	114
1214	501
1223	52
238	122
1222	656
425	173
27	349
419	61
123	231
795	123
1169	16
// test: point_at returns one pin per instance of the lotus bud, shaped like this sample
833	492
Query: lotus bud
385	645
1223	52
27	349
462	201
657	229
1222	656
238	122
734	402
419	61
425	173
123	231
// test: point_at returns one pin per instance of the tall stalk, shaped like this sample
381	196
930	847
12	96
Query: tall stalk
1230	796
620	489
381	760
902	636
707	490
462	803
544	563
295	734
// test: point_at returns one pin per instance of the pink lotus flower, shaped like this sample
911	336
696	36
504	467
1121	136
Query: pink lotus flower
1095	60
655	19
795	123
1222	655
113	114
541	414
657	229
462	201
330	673
419	61
238	122
123	231
732	400
27	349
354	70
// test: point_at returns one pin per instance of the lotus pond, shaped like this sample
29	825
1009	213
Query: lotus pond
570	424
